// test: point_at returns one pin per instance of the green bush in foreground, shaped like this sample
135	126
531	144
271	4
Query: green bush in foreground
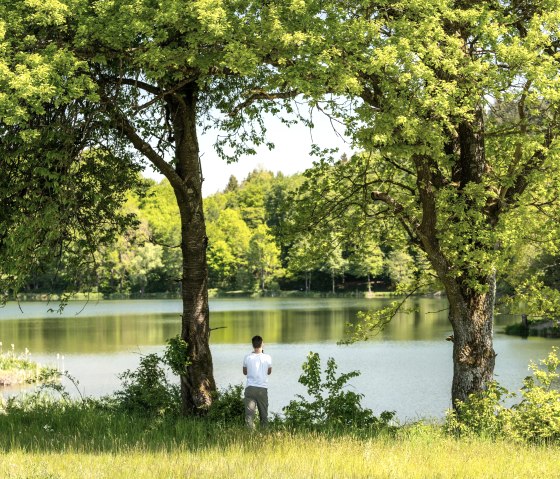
330	404
535	418
147	390
227	406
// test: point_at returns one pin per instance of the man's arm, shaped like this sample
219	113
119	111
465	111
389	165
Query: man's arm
269	370
245	371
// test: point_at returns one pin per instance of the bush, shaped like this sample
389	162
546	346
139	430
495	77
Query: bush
147	390
228	406
481	415
329	404
535	418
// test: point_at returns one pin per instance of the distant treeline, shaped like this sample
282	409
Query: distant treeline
253	245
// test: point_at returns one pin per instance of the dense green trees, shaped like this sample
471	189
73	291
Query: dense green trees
264	258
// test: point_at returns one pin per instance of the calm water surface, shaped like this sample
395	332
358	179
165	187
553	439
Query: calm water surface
406	368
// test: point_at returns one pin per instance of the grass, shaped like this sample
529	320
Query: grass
83	441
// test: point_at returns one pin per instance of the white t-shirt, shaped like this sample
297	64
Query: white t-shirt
257	369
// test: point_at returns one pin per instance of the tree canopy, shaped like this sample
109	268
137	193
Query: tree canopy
456	107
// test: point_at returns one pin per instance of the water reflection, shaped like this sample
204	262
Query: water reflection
114	326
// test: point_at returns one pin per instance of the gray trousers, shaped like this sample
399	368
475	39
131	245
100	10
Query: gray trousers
256	398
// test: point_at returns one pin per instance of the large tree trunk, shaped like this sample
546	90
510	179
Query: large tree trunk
471	313
472	317
198	383
185	176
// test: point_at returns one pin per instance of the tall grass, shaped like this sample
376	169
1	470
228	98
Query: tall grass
77	440
20	369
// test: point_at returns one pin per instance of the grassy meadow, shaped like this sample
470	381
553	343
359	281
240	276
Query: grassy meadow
72	442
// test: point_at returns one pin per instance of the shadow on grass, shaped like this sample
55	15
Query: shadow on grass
89	428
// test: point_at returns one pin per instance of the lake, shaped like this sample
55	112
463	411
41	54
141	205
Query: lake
406	368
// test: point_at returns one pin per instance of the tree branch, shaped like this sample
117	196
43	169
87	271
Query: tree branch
410	224
262	95
135	83
123	125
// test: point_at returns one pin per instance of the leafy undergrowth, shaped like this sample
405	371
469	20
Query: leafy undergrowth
535	418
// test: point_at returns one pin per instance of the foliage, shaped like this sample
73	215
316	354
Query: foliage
19	368
329	404
366	260
535	299
134	82
264	256
176	355
228	406
482	414
146	259
456	108
147	390
535	418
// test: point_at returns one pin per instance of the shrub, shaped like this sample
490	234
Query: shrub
147	390
482	414
227	406
329	404
535	418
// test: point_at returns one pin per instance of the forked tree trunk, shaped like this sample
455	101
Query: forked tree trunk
198	384
472	316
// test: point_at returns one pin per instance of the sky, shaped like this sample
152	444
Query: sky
290	155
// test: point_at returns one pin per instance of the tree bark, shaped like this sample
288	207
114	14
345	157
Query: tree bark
471	312
185	176
197	384
472	318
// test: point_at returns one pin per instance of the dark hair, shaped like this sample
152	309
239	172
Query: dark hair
257	341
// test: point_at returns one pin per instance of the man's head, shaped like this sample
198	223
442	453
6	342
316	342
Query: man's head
257	342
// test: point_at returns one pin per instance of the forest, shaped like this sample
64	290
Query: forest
249	248
255	247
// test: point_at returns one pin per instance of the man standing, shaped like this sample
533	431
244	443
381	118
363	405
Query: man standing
257	366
